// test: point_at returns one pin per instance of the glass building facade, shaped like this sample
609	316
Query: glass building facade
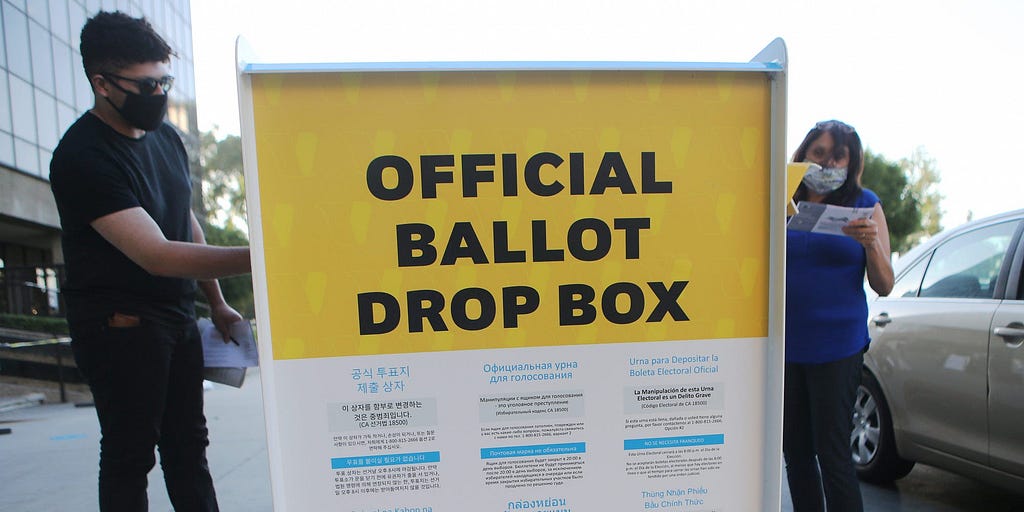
43	90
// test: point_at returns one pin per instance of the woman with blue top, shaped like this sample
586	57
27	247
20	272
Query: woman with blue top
826	322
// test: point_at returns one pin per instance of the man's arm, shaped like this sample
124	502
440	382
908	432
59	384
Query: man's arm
133	232
221	313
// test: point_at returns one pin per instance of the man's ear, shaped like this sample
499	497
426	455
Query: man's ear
100	85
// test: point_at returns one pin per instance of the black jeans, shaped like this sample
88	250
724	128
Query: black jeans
147	385
817	421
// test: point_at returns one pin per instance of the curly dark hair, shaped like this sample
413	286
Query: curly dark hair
114	40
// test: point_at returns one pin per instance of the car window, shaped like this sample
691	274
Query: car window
909	282
967	266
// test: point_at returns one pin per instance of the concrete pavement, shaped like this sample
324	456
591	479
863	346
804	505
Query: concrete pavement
49	460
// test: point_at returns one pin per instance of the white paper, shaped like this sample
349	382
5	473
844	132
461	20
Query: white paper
825	218
233	377
218	354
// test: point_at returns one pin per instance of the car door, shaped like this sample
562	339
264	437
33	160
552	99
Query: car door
1006	374
933	344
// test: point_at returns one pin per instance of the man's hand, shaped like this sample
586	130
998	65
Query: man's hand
223	316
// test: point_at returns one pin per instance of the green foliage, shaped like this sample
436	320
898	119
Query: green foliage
223	208
902	209
221	176
908	196
237	289
47	324
924	177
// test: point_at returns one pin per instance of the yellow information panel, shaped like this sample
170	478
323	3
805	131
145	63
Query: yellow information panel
426	211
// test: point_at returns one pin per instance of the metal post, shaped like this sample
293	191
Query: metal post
60	372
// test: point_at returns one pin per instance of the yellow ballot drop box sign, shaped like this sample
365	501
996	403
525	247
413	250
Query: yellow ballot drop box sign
519	286
424	211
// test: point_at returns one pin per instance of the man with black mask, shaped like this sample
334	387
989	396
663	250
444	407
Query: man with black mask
133	252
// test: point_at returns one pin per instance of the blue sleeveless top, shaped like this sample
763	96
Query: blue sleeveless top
826	308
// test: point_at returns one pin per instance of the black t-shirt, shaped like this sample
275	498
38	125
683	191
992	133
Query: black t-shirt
97	171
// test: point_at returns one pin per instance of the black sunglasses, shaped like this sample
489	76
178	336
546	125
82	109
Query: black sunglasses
146	85
835	125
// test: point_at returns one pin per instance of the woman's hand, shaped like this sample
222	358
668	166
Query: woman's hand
864	231
873	234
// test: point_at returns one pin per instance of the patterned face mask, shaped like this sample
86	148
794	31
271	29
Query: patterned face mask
824	180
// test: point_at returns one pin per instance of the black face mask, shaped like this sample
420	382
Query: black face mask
143	112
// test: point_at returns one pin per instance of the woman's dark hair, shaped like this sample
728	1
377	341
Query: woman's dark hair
113	40
843	135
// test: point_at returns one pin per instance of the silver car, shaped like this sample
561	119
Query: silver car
944	376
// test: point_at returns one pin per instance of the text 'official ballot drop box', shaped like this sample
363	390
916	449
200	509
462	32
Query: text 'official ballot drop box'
519	286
